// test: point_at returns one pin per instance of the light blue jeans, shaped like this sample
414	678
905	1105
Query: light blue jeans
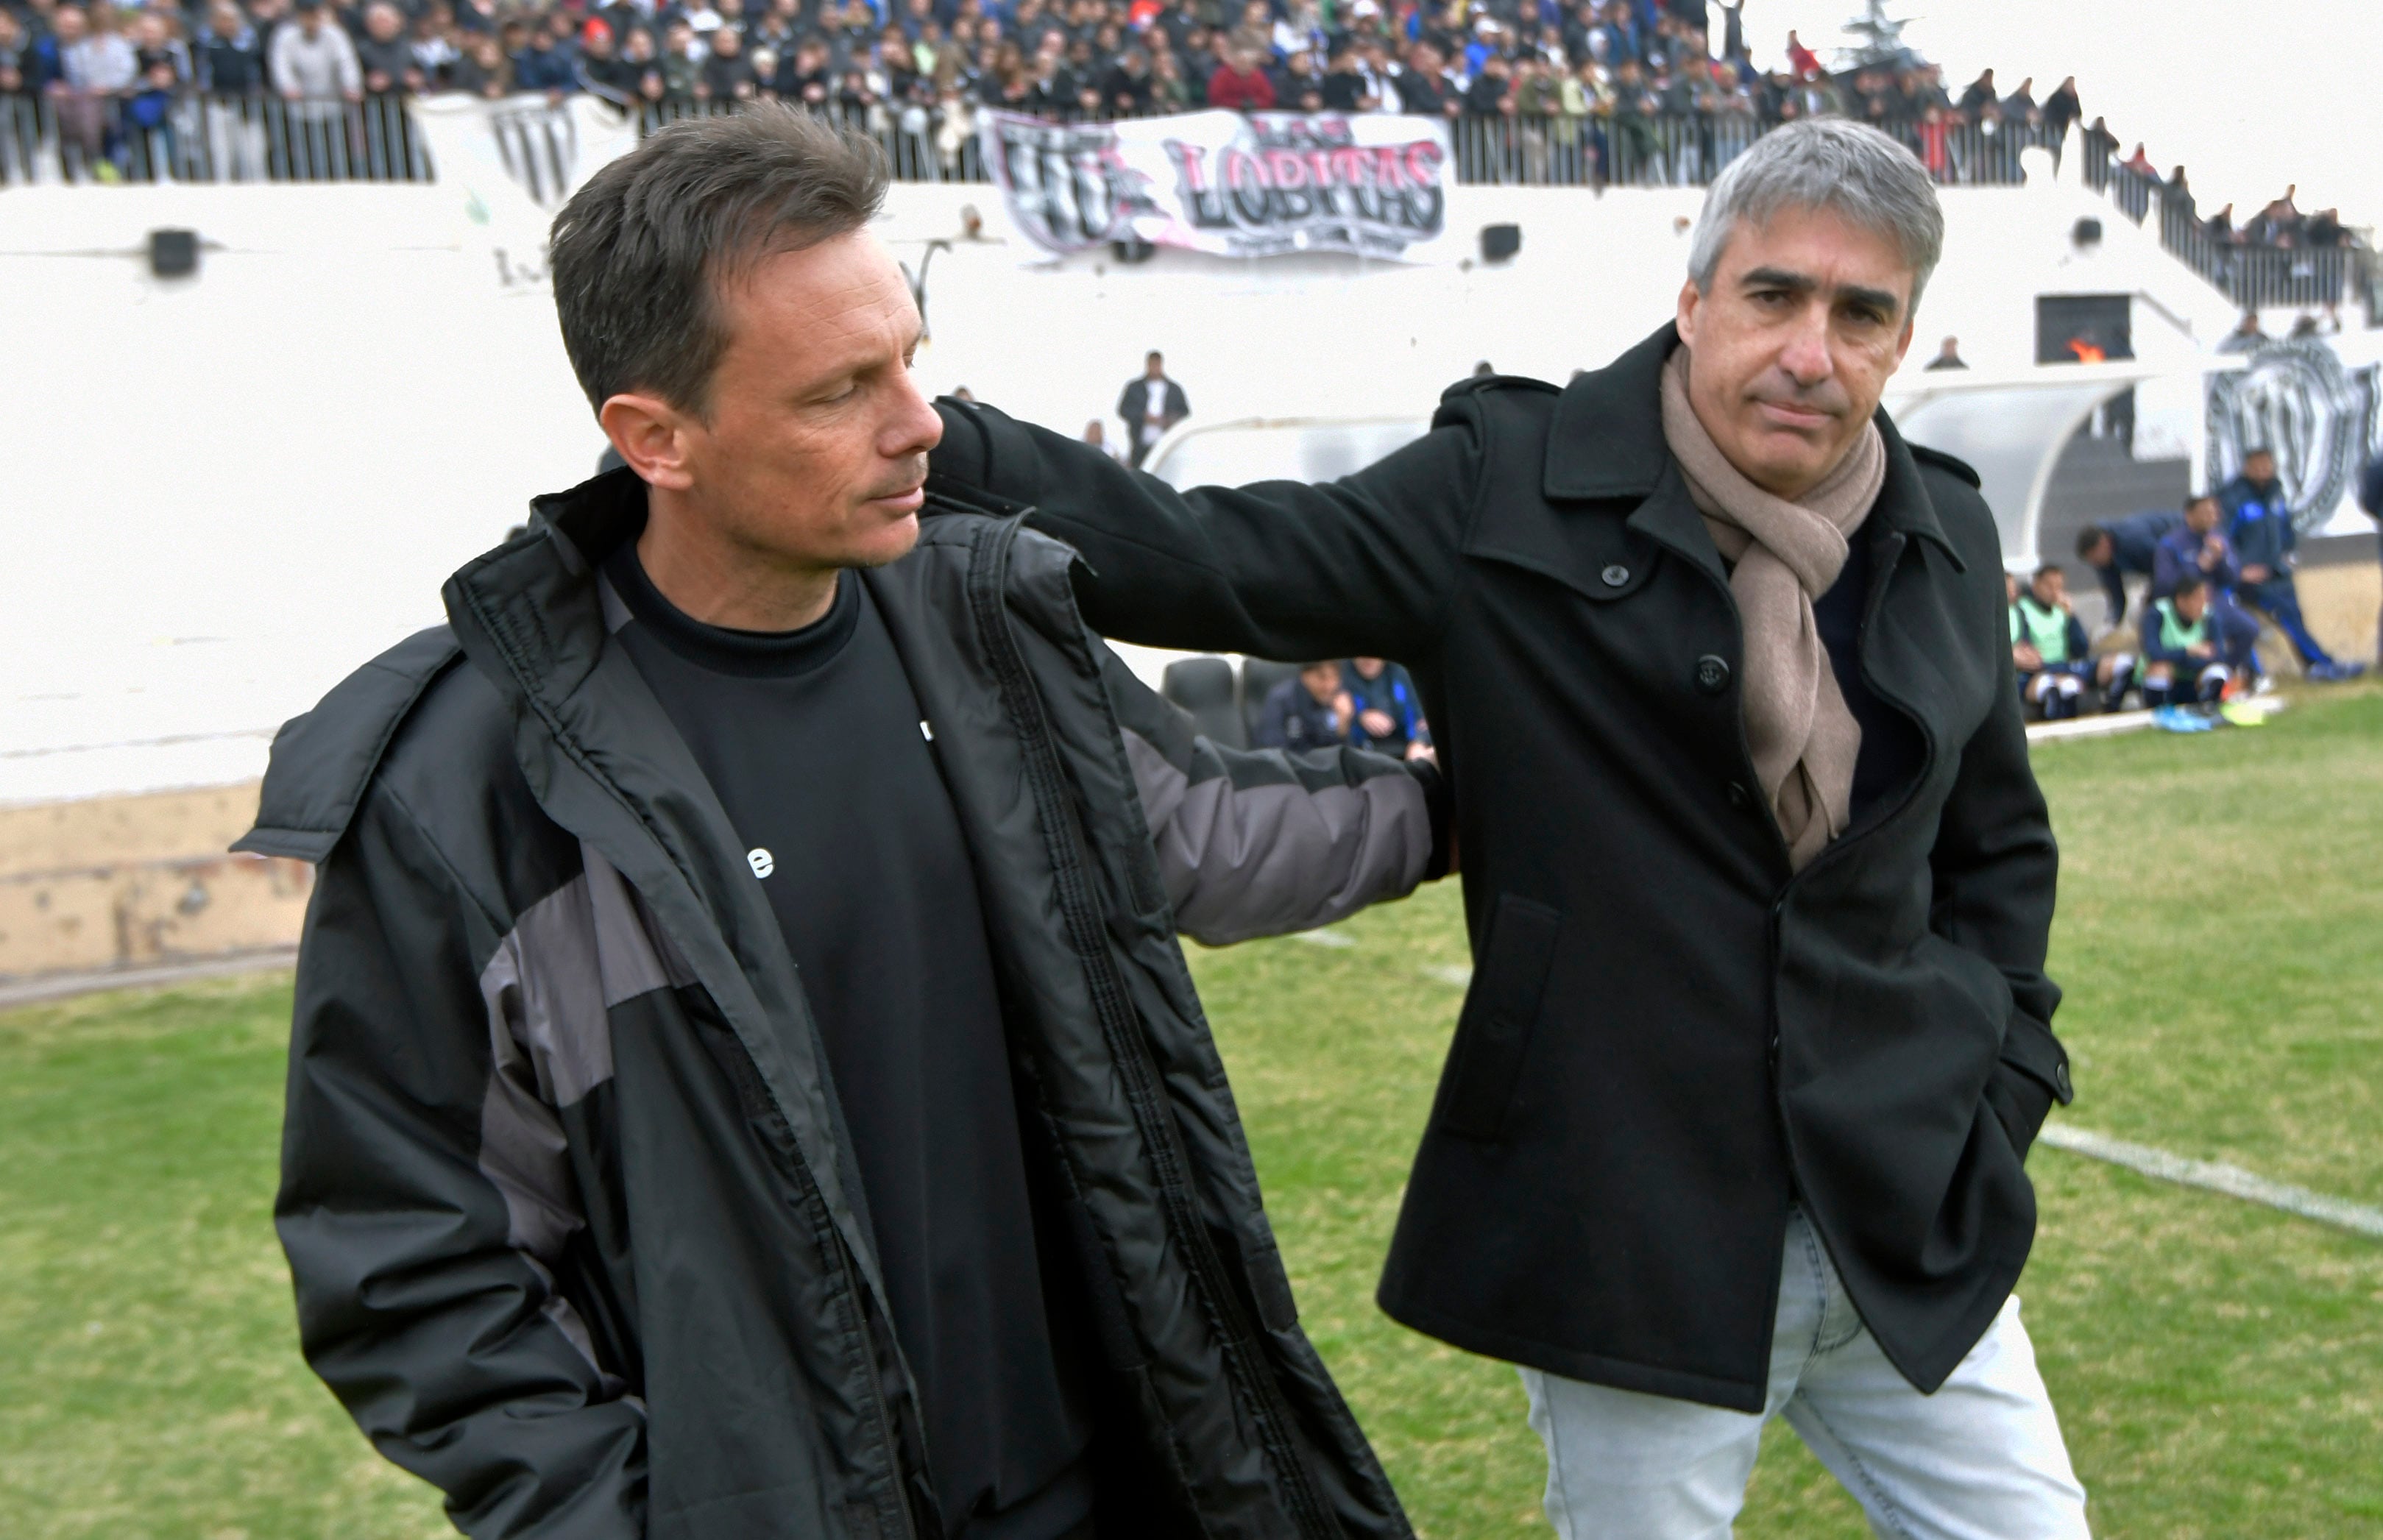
1979	1459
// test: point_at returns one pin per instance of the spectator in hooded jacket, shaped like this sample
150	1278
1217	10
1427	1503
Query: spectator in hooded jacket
1300	711
2259	521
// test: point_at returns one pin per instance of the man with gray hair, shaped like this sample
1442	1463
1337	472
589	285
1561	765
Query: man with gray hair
743	1082
1757	875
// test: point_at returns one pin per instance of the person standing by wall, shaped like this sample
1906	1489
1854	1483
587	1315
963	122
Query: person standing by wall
1742	1134
1151	404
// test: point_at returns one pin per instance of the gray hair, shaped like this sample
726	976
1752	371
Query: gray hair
1828	163
641	251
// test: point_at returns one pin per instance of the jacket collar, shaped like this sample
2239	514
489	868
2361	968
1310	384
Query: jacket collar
1606	441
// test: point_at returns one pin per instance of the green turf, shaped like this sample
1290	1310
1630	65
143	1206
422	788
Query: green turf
2219	1367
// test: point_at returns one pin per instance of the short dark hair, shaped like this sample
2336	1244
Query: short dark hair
2194	499
2089	540
2191	583
2050	569
641	251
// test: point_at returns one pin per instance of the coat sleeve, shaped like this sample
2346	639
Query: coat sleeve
1261	842
421	1178
1994	867
1279	569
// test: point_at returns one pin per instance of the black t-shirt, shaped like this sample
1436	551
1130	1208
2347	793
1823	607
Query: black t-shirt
814	743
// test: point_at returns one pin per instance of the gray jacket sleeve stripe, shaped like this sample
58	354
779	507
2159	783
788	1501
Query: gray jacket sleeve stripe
425	1172
570	958
1265	852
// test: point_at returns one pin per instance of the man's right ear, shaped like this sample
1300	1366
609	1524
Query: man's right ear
651	434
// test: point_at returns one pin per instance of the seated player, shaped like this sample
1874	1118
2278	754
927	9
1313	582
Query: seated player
2184	659
2201	546
2049	649
1384	711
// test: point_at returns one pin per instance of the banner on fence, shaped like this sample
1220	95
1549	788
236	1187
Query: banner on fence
1261	184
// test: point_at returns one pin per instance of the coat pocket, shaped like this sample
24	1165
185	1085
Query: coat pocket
1500	1008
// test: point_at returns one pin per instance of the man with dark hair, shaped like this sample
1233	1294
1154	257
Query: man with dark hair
1151	403
1300	711
2199	549
2183	657
743	1082
2124	546
1758	879
2055	660
2259	521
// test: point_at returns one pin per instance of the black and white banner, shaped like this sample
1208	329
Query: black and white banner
1260	184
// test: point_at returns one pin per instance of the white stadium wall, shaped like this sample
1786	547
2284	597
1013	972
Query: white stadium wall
228	490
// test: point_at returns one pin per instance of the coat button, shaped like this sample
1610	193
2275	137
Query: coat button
1713	673
1739	797
2060	1082
1616	575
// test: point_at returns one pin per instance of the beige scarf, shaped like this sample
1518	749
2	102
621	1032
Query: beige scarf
1784	556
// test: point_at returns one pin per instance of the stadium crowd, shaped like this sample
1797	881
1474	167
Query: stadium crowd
2206	574
1624	90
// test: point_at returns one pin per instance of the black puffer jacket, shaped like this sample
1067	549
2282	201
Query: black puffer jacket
571	1219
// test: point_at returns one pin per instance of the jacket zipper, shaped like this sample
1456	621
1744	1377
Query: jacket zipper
808	1187
755	1093
1119	1025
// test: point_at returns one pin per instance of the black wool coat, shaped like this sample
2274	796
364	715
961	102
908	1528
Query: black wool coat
1670	1037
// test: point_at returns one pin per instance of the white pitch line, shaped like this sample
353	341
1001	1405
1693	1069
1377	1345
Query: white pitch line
2215	1176
1324	936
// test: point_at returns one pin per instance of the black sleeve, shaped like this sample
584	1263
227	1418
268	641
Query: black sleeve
1278	569
419	1302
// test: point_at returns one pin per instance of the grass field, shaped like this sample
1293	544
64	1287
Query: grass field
2219	1366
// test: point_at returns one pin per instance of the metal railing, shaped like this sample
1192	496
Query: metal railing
216	139
208	139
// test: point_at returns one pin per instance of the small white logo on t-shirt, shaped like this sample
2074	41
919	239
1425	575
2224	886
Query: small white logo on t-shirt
761	861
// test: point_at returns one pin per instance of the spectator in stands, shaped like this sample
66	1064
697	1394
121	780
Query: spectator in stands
1150	404
483	71
2180	656
15	57
2245	336
96	70
1239	84
386	54
2259	521
2122	547
1383	709
726	74
1949	356
1301	712
2062	109
315	64
2052	653
540	66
